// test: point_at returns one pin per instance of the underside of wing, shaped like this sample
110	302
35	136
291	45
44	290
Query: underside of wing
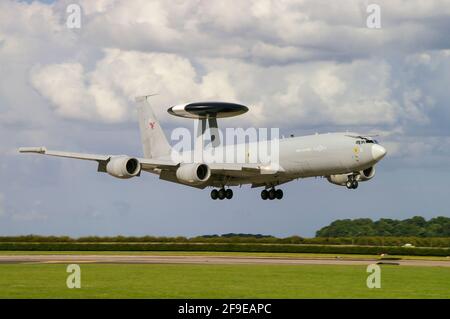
272	182
239	174
240	170
150	164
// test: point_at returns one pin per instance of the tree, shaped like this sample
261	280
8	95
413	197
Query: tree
416	226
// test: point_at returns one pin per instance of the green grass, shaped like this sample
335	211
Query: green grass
214	253
221	281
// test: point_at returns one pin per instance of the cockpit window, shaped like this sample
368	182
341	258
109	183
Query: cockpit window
366	141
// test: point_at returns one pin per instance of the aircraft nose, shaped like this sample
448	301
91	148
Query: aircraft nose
378	152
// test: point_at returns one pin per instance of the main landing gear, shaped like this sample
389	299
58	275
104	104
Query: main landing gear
352	183
271	194
222	193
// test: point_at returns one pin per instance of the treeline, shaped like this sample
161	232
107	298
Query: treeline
365	227
239	239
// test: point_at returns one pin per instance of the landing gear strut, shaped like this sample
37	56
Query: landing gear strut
222	194
271	194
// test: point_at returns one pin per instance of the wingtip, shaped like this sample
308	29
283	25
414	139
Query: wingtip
40	150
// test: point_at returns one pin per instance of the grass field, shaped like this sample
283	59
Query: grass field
221	281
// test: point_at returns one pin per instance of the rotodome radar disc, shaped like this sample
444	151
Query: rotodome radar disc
203	110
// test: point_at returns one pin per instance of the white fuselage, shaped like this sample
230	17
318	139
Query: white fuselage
298	157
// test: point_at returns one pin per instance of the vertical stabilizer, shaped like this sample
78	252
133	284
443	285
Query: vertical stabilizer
154	142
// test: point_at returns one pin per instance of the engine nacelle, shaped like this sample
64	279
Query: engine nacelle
123	167
340	179
193	173
362	176
367	174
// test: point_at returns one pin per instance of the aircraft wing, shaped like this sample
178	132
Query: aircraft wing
167	168
83	156
151	163
147	164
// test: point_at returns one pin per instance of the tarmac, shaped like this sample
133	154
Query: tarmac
208	260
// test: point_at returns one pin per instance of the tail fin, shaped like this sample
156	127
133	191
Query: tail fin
154	142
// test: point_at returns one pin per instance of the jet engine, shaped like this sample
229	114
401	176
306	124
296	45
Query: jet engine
367	174
193	173
361	176
123	167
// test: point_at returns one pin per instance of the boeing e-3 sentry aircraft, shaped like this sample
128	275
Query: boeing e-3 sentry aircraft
345	159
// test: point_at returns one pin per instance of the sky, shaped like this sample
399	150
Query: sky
301	66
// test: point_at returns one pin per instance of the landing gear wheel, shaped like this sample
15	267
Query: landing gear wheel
279	194
214	194
222	194
264	194
355	184
229	193
349	184
272	194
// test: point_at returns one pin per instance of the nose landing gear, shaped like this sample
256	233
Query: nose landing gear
352	183
271	194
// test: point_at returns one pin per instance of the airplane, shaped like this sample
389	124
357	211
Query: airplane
343	158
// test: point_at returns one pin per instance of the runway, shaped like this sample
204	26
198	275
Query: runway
205	260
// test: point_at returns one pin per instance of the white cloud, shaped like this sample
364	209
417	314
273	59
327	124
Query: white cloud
357	93
419	152
27	31
294	63
106	92
64	85
277	30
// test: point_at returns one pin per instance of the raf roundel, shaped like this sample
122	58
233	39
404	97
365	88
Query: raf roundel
204	110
